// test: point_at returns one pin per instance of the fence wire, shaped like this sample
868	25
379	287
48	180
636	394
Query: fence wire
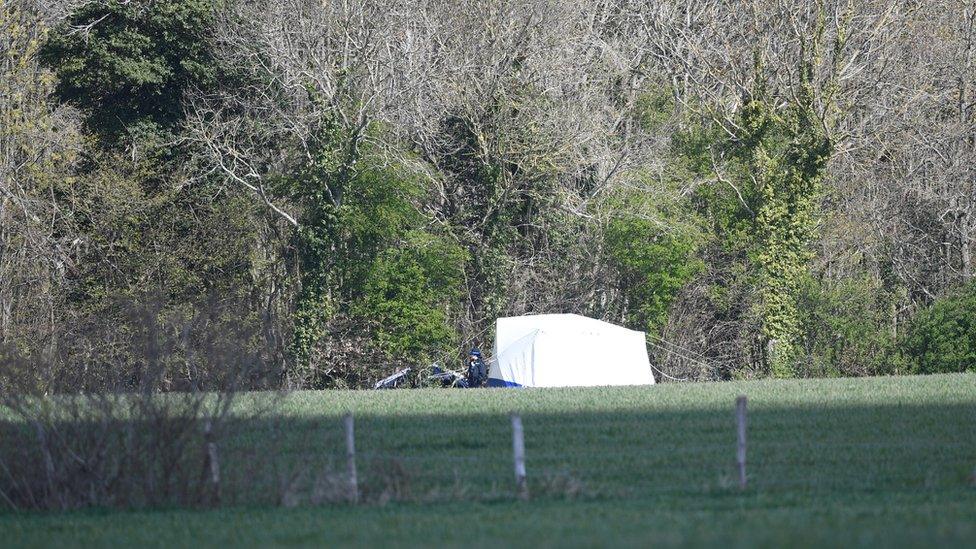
436	458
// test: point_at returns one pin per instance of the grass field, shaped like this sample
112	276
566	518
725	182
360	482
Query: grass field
832	462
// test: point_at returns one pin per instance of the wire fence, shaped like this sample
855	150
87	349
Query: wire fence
431	458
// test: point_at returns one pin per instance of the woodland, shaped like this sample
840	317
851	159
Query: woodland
331	190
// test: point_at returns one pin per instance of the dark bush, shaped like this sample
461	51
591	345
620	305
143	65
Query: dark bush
942	338
846	328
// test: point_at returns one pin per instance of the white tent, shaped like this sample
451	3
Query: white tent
567	351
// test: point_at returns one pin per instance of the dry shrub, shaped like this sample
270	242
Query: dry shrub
135	420
388	479
561	484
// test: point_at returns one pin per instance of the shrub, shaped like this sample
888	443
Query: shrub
942	338
846	328
408	293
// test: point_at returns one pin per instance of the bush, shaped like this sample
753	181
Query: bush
86	423
942	338
846	328
408	294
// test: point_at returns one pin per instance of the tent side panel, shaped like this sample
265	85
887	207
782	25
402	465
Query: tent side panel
567	351
514	364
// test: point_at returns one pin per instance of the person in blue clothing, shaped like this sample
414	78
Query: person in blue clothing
477	373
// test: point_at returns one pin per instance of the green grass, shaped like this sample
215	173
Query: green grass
832	462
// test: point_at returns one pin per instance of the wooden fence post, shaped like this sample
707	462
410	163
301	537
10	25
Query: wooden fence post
518	449
740	457
351	458
213	465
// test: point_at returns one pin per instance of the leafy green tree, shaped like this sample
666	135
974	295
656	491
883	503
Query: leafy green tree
654	250
353	208
766	205
409	294
364	251
787	152
128	64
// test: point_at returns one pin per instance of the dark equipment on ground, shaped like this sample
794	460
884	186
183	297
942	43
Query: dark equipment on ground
476	375
393	381
449	378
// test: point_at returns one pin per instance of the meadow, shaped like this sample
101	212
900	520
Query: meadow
859	462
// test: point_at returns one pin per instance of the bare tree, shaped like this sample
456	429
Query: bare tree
915	153
543	95
38	145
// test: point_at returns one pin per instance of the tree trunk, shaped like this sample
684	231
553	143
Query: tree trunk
966	244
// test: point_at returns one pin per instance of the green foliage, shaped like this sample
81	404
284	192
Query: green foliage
654	234
134	61
364	251
178	244
129	227
408	295
788	154
655	108
654	252
846	327
942	338
764	209
39	146
494	220
328	226
764	203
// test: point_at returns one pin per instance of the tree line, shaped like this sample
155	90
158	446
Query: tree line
767	188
